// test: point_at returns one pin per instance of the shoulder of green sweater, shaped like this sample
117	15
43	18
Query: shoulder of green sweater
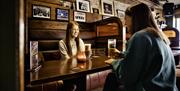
116	63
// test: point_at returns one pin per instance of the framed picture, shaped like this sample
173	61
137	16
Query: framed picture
107	7
105	16
95	4
120	13
62	14
120	6
95	10
67	4
41	12
79	16
82	5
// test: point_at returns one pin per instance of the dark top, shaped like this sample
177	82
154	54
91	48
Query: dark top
148	64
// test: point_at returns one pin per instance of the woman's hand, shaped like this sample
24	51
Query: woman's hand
115	52
109	61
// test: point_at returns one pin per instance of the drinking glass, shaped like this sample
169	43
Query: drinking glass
111	47
88	50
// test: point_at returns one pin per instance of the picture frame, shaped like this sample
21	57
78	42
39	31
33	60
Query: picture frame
83	5
79	16
120	6
95	10
107	7
120	13
62	14
105	16
95	4
39	11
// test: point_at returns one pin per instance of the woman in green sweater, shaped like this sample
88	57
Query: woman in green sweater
148	63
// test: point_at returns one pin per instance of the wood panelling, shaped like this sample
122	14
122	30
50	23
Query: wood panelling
52	1
86	26
52	27
91	17
45	24
52	23
107	30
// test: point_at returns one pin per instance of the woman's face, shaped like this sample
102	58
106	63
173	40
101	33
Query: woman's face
128	23
75	31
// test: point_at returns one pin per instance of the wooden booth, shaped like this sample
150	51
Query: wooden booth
97	33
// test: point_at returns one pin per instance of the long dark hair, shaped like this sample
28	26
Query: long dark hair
142	18
70	25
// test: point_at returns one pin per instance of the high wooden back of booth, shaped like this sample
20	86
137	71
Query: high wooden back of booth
96	33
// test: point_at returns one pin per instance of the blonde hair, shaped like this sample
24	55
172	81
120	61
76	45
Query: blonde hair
70	25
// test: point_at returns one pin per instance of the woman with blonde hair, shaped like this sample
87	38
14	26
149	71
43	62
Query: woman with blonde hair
70	47
72	44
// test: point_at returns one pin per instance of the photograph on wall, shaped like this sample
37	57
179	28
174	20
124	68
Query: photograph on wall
107	7
95	4
62	14
79	16
82	5
119	6
67	4
95	10
105	16
41	12
120	14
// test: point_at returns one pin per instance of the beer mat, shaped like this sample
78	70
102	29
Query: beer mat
76	69
113	59
95	56
109	61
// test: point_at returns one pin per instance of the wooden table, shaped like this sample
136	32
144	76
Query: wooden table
67	69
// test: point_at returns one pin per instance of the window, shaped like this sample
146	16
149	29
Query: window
176	23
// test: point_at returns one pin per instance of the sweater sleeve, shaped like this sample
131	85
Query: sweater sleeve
63	50
82	46
131	67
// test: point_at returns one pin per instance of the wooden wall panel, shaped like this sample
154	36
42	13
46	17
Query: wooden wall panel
51	1
52	23
71	14
44	24
107	30
91	17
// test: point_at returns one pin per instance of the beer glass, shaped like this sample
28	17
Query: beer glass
111	47
88	50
